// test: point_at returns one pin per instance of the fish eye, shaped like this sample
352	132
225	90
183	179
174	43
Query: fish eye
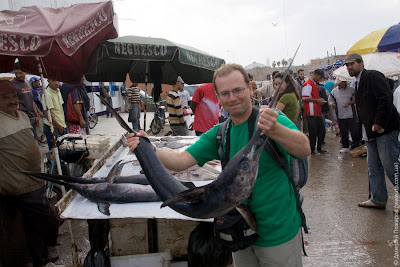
244	166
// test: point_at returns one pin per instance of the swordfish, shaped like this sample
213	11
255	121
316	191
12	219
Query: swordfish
104	193
233	185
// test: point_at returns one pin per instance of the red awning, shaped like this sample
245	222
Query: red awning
65	39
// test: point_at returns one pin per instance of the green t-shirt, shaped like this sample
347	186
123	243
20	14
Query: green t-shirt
273	200
292	106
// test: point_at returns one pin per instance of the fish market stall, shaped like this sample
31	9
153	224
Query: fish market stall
141	227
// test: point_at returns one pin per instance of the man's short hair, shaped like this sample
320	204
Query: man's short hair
300	70
274	73
227	69
319	72
178	79
16	66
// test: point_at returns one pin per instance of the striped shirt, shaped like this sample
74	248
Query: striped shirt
133	94
174	107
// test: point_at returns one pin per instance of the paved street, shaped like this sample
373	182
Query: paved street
341	234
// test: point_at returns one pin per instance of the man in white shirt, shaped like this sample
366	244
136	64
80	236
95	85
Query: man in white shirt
342	100
184	96
266	91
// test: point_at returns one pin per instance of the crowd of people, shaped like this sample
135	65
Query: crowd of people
313	104
363	109
303	109
28	223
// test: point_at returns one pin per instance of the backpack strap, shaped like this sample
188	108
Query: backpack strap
223	135
280	160
220	142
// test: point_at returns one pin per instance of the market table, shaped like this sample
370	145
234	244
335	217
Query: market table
143	227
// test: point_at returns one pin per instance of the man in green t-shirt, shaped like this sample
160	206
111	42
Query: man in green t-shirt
273	199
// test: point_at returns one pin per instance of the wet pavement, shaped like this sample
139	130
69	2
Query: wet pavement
341	233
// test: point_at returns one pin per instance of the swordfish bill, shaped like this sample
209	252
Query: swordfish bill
116	115
232	186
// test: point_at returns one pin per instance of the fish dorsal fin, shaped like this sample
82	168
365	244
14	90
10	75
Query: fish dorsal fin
193	195
116	169
104	207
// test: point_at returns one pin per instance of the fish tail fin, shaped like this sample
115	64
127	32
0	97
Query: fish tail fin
192	196
247	216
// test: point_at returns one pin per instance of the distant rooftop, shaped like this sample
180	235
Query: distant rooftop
254	65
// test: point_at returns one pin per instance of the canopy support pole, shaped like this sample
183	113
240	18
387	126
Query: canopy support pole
49	118
57	158
146	79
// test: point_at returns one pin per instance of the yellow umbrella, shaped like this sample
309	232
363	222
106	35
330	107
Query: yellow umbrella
368	44
383	40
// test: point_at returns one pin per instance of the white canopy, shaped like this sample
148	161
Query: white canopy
386	62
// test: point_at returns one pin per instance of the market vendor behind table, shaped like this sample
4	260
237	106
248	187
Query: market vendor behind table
21	195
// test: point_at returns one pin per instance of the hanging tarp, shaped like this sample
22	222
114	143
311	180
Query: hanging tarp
330	68
65	39
164	59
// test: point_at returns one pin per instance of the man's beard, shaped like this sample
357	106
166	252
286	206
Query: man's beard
354	73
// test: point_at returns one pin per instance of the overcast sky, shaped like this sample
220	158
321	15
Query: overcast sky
243	31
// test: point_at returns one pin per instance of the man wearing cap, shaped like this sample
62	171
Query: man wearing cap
37	92
342	100
27	222
25	96
174	106
313	111
374	102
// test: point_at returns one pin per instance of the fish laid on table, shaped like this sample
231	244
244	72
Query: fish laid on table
189	140
110	189
105	193
171	145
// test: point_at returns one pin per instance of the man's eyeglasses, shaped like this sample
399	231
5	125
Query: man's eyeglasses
236	92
